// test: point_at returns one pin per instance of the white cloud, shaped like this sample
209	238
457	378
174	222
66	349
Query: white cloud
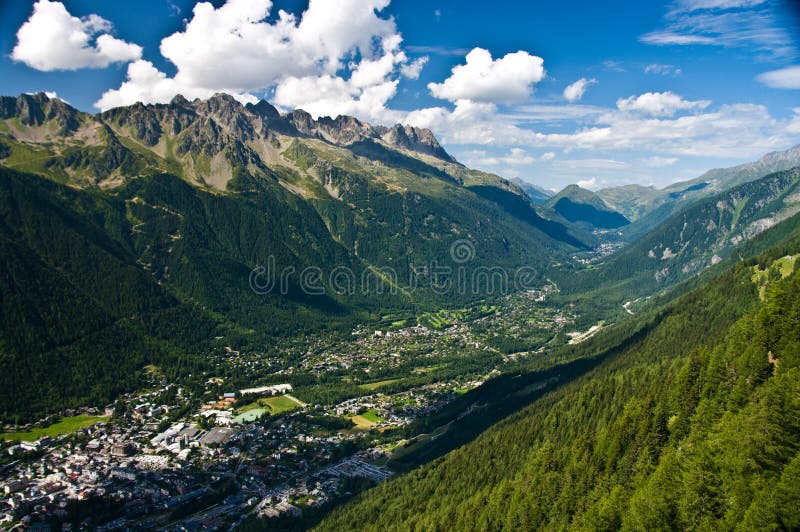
505	80
794	124
662	70
575	91
412	70
145	83
737	130
659	104
614	66
308	60
658	162
753	24
555	113
588	183
332	96
515	157
730	131
549	156
694	5
52	39
784	78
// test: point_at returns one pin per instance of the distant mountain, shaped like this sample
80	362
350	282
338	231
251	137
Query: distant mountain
139	230
698	236
632	201
647	206
536	193
720	179
579	205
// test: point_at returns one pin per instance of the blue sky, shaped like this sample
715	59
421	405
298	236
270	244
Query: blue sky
658	91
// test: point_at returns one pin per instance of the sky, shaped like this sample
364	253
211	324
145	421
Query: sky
595	93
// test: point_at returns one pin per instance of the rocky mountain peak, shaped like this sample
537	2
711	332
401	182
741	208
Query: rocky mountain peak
302	121
416	139
264	110
217	118
37	109
179	100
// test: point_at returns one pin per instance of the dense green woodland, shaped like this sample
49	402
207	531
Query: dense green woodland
692	426
97	284
686	243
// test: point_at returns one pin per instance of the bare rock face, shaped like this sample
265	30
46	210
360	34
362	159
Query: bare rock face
38	109
213	120
217	125
416	139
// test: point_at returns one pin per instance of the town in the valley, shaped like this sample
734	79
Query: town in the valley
280	435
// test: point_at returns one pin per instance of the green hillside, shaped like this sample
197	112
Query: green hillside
690	424
579	205
648	206
696	238
140	235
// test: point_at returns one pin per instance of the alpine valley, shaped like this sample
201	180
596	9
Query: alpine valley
217	315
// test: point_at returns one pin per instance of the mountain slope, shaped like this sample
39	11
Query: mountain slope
647	207
695	238
689	423
154	219
537	194
579	205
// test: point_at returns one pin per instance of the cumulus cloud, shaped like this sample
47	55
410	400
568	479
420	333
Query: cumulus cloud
145	83
53	39
575	91
783	78
508	79
240	48
659	104
413	69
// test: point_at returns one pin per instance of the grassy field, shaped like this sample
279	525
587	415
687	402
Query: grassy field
273	405
65	426
375	385
784	265
367	420
427	369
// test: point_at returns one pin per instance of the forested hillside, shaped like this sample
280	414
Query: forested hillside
579	205
699	236
648	206
692	425
133	237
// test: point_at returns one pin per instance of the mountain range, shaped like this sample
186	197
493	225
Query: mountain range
145	238
139	230
648	206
